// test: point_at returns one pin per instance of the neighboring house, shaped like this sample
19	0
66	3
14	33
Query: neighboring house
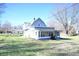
38	30
17	30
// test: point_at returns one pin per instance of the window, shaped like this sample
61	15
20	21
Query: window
38	24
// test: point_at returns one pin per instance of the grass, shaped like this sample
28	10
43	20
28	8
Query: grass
13	45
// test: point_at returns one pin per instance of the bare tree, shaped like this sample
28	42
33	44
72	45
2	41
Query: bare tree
7	27
63	16
55	24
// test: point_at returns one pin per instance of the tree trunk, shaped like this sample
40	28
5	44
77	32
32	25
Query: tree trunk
67	32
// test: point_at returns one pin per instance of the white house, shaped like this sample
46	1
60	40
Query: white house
38	30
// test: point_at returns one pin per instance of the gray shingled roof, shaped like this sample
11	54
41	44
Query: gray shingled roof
38	20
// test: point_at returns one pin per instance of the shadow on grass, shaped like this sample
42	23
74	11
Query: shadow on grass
21	45
22	49
59	54
56	39
64	39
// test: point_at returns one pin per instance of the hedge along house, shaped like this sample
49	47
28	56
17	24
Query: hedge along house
39	30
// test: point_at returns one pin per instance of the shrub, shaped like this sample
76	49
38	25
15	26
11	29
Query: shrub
53	36
72	32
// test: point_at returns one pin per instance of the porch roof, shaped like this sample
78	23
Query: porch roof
45	28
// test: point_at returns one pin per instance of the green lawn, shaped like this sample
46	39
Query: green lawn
13	45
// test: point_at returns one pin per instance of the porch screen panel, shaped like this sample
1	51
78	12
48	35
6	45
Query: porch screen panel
43	34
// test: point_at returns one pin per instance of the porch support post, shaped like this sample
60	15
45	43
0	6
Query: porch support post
39	33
